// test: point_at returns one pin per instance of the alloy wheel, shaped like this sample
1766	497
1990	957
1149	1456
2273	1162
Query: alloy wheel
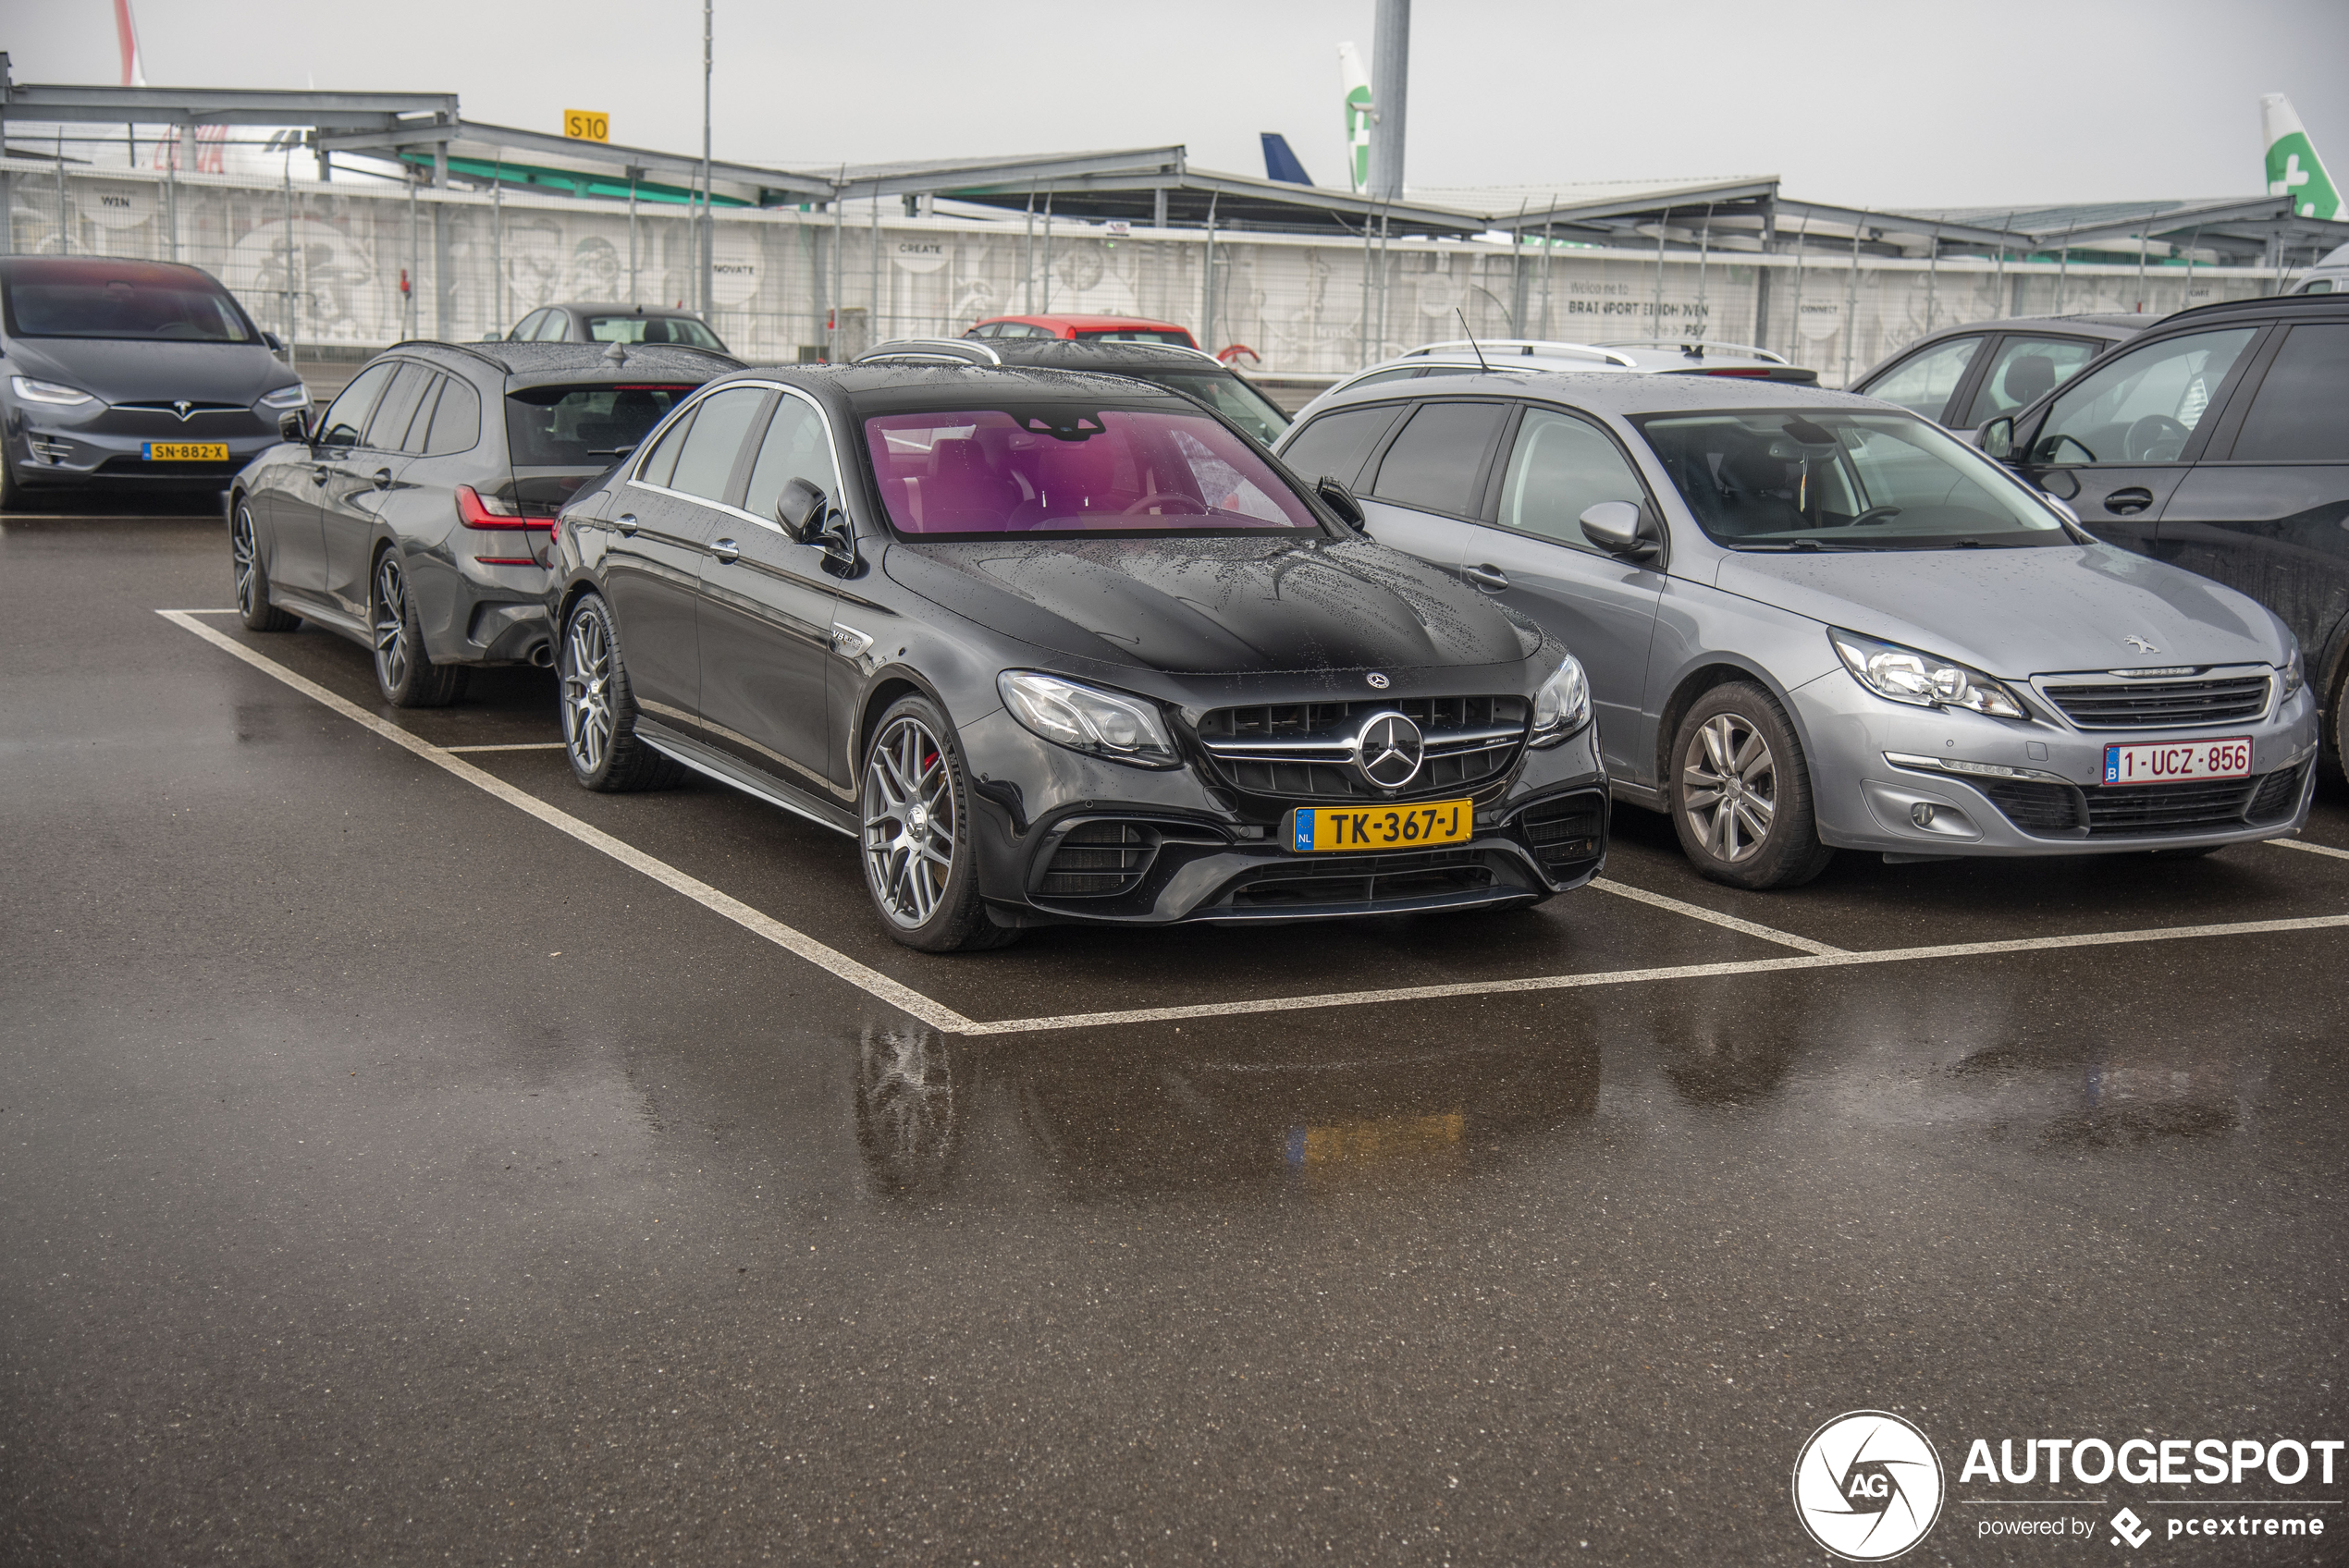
392	652
909	822
1729	787
588	715
242	559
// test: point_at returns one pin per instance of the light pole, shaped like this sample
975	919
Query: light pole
708	236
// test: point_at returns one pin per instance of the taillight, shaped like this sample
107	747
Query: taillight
475	510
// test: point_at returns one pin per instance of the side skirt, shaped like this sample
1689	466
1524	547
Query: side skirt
726	770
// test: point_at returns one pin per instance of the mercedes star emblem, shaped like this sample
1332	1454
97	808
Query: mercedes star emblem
2141	644
1388	751
1378	681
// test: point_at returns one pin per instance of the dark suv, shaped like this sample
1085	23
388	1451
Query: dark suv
1195	372
2217	441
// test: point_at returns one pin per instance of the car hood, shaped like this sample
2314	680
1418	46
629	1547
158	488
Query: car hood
2018	612
120	370
1215	606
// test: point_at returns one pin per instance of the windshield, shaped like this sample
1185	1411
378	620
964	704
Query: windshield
1227	395
1825	478
101	299
1062	468
683	331
584	426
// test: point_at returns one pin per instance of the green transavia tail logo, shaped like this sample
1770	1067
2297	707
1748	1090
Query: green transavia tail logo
2293	168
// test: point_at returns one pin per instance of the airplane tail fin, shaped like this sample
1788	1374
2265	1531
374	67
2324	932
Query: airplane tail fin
2293	168
126	33
1282	164
1356	83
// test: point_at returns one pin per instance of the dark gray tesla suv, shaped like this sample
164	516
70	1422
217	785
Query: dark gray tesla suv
146	372
1055	646
412	515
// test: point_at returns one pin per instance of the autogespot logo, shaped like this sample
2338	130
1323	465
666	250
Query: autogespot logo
1867	1486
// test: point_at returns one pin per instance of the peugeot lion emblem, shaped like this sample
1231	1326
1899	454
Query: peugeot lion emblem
1388	751
1377	679
2140	645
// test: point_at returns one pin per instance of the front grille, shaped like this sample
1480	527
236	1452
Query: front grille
1301	751
2139	810
1099	859
2160	705
1360	880
1562	832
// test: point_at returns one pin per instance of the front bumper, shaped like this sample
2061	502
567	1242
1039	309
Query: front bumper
1063	838
1895	778
57	453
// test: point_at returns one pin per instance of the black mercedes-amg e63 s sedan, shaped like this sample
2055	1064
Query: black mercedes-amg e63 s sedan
1055	646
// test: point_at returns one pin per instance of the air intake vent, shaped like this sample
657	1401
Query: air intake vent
1562	832
1099	859
2141	811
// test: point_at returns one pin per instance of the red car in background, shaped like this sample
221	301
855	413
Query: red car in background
1086	329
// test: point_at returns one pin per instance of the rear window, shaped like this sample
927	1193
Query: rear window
584	426
1173	335
78	298
682	331
1060	468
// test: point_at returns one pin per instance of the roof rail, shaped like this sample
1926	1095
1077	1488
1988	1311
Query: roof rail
958	351
1526	348
1749	349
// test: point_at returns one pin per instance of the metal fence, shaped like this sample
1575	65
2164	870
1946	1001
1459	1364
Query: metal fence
339	269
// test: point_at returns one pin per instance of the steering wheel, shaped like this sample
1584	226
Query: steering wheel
2157	438
1198	508
1873	514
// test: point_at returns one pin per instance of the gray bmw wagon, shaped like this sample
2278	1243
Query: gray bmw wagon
1813	622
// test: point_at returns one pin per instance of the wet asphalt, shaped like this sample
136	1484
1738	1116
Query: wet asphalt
387	1178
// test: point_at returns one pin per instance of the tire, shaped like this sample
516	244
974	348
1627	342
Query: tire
914	798
404	671
1761	830
11	493
249	576
599	709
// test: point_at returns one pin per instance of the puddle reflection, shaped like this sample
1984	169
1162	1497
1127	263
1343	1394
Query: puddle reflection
935	1115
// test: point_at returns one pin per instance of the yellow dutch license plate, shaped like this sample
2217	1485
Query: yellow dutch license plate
1317	829
185	451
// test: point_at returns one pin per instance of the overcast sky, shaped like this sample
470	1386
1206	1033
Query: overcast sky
1884	102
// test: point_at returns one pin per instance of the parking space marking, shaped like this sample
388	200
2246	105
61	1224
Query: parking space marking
1814	955
871	981
1679	972
516	746
1697	911
2304	844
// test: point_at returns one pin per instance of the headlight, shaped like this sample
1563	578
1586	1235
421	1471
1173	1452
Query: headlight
294	397
33	391
1562	704
1084	719
2296	674
1904	675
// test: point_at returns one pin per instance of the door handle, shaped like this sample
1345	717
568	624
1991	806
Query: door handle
627	524
1490	578
2128	502
726	550
318	472
382	479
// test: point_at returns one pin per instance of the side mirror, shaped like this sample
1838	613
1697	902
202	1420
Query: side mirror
294	426
1339	499
1620	528
1998	439
276	344
800	509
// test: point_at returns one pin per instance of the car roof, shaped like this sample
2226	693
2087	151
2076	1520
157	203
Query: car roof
600	308
547	364
2266	305
1612	392
885	385
1089	323
1064	354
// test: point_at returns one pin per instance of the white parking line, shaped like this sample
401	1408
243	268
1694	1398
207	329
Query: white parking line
517	746
871	981
939	1016
1680	972
1695	912
2304	844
